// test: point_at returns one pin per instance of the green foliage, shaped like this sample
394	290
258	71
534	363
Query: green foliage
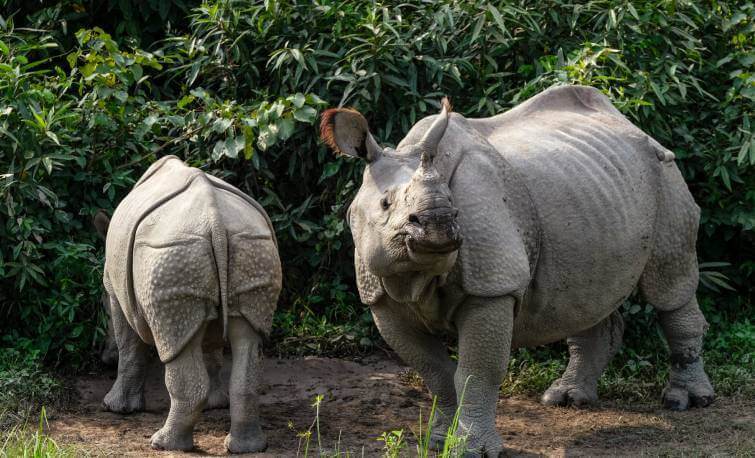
74	141
233	86
22	441
24	385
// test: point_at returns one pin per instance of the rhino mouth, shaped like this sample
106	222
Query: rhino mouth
423	247
432	238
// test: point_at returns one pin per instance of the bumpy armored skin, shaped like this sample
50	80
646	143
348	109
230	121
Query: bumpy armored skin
190	260
519	230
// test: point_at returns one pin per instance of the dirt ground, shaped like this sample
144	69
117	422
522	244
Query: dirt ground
364	398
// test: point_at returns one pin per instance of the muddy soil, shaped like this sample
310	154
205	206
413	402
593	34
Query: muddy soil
362	399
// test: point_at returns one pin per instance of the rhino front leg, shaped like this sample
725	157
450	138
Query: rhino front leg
427	355
688	384
127	393
485	327
589	353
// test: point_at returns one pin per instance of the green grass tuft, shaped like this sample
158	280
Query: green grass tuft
23	441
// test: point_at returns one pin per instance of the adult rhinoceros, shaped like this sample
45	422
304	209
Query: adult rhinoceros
564	208
190	259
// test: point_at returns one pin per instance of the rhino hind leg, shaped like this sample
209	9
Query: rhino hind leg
246	435
688	384
188	386
127	393
218	397
213	359
589	354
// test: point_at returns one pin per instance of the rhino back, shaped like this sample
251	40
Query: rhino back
594	182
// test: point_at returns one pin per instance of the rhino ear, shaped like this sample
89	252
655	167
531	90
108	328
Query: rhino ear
101	223
493	257
345	130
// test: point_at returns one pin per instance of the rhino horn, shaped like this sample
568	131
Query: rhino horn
431	139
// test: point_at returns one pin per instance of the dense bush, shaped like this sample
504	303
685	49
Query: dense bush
234	86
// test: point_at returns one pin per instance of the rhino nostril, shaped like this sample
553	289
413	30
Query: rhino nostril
413	219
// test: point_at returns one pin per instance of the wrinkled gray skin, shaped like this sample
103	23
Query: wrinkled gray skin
190	262
519	230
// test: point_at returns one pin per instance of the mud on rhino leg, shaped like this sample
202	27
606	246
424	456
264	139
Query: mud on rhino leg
246	435
688	384
589	353
127	393
428	355
188	386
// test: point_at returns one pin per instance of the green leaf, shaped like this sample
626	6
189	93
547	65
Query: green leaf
285	128
219	150
52	137
305	114
233	145
330	169
267	137
185	100
137	72
248	142
498	19
221	125
47	163
298	100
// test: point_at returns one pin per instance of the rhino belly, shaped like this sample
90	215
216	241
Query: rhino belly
596	203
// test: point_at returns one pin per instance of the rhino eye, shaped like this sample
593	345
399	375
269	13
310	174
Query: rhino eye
385	203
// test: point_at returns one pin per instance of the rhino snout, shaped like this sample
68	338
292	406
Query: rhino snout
434	231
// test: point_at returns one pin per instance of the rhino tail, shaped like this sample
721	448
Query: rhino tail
219	239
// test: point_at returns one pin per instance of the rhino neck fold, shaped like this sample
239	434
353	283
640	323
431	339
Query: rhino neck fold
412	287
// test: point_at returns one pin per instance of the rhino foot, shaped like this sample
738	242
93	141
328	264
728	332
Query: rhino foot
568	395
169	439
688	386
488	445
120	401
251	443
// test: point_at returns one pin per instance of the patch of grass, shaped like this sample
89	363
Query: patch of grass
24	386
23	441
300	331
532	370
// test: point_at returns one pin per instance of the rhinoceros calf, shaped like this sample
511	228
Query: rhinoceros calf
190	260
563	207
